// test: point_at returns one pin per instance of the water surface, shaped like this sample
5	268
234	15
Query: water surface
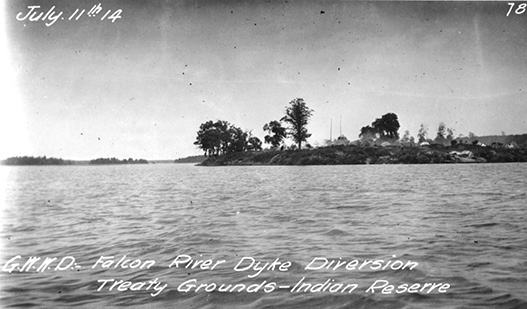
464	225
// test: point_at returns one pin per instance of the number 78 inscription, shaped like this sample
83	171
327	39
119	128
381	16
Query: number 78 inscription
520	9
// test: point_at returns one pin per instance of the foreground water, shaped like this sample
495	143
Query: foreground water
464	225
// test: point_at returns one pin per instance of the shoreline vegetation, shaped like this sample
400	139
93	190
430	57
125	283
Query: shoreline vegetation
28	160
353	154
191	159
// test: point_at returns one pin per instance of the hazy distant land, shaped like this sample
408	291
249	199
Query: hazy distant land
25	160
29	160
102	161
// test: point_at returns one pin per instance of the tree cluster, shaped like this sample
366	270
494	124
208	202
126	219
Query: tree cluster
444	135
276	133
422	133
221	137
384	128
407	139
102	161
297	115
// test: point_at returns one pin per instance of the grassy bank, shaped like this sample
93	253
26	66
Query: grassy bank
350	154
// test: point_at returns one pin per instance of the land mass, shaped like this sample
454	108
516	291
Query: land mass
28	160
352	154
25	160
101	161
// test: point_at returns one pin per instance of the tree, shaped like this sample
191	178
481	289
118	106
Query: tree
254	143
387	126
276	135
237	140
225	135
368	132
407	138
297	114
441	131
209	138
221	137
367	135
450	134
422	133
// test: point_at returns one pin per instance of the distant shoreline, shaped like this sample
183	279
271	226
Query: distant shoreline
43	160
329	155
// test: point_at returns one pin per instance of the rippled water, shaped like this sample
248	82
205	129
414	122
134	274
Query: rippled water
464	225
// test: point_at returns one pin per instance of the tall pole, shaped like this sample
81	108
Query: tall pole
331	130
340	133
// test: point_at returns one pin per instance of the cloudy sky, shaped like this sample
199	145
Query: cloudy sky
141	86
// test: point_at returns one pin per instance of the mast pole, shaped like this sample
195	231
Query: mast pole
340	133
331	130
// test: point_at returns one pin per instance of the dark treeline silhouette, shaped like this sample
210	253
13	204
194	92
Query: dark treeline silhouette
25	160
384	128
221	137
191	159
117	161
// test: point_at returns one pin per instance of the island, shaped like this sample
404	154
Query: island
379	143
28	160
43	160
104	161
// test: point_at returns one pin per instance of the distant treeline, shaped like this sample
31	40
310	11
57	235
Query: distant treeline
36	161
191	159
117	161
519	139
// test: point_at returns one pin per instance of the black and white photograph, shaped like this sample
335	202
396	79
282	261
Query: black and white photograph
263	154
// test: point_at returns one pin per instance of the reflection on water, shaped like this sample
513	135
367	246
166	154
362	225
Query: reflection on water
464	225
